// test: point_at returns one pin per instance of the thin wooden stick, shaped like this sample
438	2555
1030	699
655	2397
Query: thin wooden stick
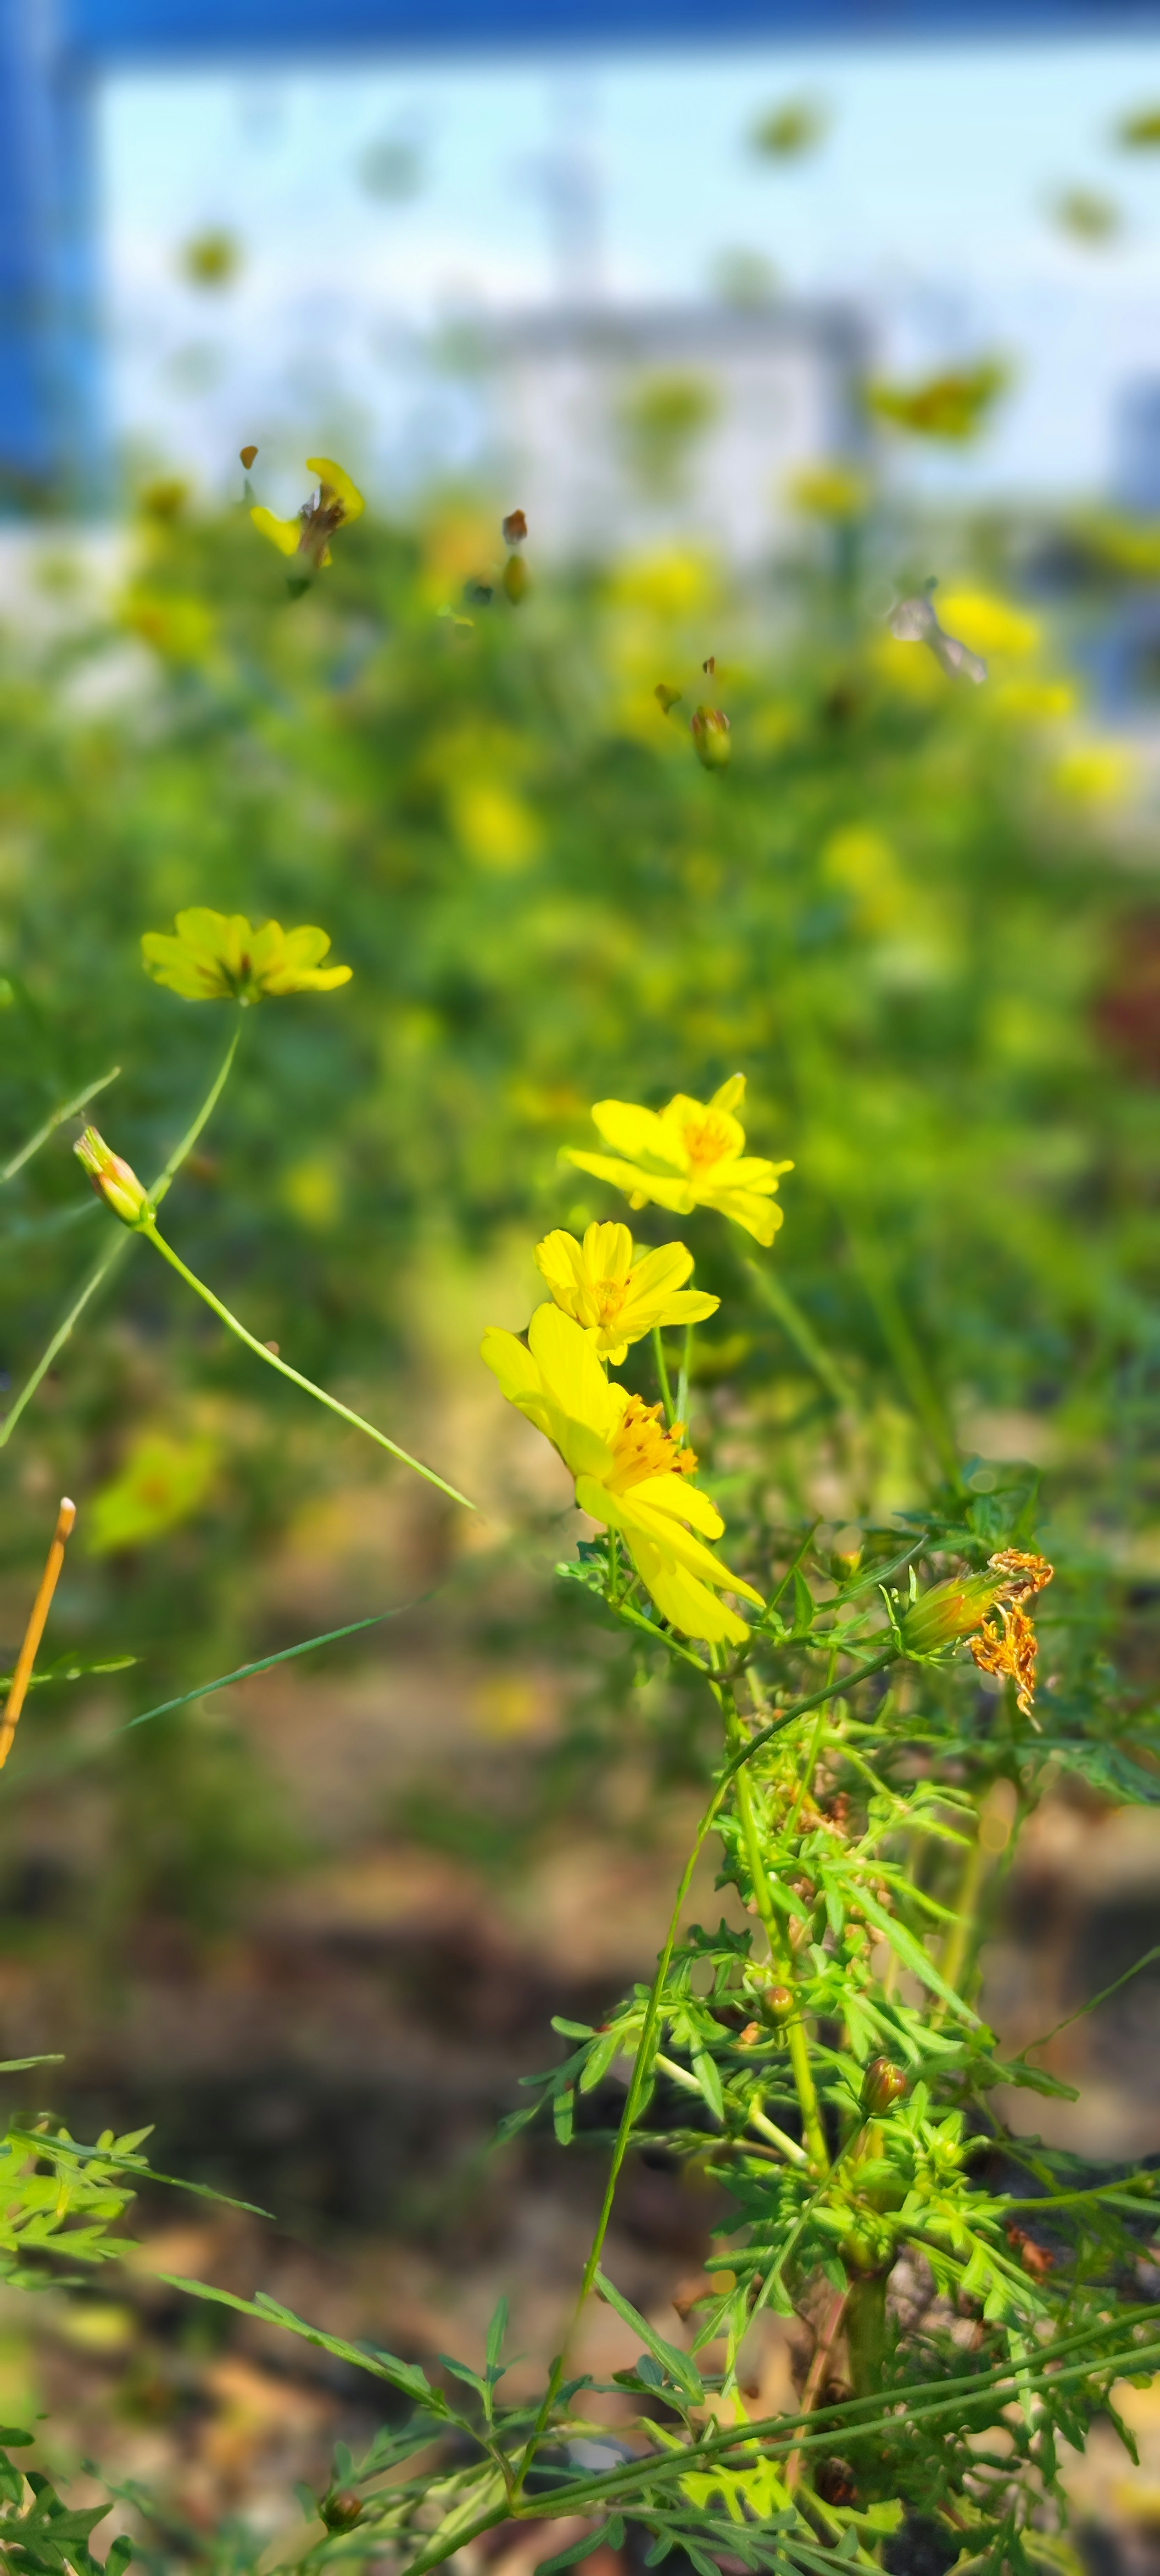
35	1629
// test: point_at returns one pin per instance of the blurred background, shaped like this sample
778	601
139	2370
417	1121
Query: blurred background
762	338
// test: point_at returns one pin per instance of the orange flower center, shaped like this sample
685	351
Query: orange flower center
642	1447
608	1296
707	1140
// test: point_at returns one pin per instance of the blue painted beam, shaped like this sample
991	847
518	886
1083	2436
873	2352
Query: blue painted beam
158	30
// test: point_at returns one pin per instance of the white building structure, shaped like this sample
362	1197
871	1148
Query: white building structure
614	426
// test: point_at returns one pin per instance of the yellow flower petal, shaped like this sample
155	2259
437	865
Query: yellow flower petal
335	479
283	533
637	1133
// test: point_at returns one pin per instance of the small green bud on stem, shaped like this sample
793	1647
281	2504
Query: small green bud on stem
341	2512
883	2084
113	1179
951	1611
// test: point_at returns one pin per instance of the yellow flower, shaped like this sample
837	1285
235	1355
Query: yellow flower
218	956
691	1155
307	536
631	1474
616	1301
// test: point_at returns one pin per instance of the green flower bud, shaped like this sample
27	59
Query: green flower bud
515	579
341	2512
777	2003
114	1180
952	1610
711	737
883	2084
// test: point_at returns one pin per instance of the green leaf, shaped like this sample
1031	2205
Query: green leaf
803	1605
708	2076
674	2363
563	2113
403	2375
914	1956
496	2334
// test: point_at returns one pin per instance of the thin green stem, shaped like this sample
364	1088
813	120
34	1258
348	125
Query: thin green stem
663	1376
642	2063
273	1360
168	1175
96	1278
800	1332
121	1239
683	1380
780	1949
904	1350
69	1110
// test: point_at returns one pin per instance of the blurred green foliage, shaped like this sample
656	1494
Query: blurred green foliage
903	912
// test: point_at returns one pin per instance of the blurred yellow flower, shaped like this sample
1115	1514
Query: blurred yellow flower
1032	701
631	1474
690	1155
307	536
180	627
615	1300
862	862
1096	773
162	1483
989	625
496	827
219	956
831	490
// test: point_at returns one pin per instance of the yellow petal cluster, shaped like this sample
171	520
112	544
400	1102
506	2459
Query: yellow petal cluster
618	1300
631	1474
307	535
218	956
689	1155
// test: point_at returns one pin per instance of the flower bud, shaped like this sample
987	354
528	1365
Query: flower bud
777	2004
114	1180
341	2512
515	528
952	1610
515	579
883	2084
711	737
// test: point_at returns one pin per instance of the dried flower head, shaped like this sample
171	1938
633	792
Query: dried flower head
1010	1648
515	528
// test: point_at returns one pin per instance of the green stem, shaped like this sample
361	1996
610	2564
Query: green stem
781	1953
866	2332
780	1949
57	1119
272	1360
801	1333
663	1376
904	1351
168	1175
96	1278
683	1380
121	1240
642	2062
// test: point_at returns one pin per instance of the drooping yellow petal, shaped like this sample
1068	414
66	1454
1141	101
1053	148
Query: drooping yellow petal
335	479
638	1134
641	1186
760	1217
571	1373
683	1500
283	533
689	1606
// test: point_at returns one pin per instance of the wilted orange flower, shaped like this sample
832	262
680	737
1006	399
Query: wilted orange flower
1010	1650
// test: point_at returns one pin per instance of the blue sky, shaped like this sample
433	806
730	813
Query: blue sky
928	201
